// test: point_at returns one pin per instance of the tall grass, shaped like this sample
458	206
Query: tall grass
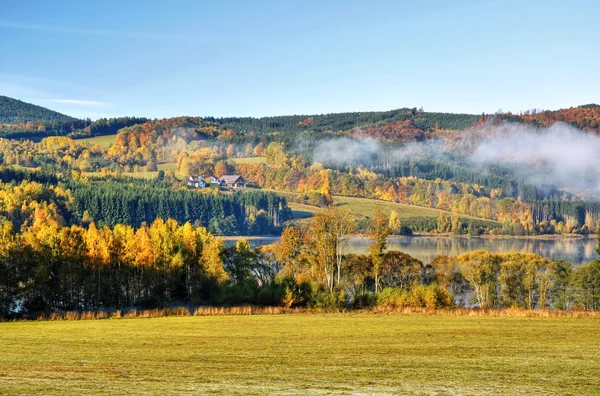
253	310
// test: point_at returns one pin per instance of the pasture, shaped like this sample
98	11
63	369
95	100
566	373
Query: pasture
337	354
250	160
102	141
365	207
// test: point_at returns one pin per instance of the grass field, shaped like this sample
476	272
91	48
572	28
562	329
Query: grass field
368	207
152	175
250	160
302	354
146	174
302	212
102	141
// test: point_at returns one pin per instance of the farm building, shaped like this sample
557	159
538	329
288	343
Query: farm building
232	181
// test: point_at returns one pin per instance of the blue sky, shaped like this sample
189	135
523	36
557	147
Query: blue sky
257	58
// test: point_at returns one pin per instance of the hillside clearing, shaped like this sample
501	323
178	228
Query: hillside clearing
102	141
250	160
302	354
365	207
154	174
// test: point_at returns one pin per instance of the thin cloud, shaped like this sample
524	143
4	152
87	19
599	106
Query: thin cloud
78	102
96	32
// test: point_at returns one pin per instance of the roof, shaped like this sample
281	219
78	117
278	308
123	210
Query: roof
195	178
230	178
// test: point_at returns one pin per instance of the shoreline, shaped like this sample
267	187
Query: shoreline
549	237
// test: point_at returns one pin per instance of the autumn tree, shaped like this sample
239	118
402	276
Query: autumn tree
289	250
275	154
443	223
378	234
395	225
398	269
480	269
330	230
8	271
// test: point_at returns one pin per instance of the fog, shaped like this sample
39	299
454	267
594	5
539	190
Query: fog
561	155
347	151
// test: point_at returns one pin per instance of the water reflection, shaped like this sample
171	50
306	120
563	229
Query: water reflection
577	250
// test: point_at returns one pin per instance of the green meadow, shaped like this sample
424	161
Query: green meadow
298	354
103	141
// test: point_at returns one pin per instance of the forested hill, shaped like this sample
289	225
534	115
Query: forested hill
14	111
409	118
586	117
23	120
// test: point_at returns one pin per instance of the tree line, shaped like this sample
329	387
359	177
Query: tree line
130	201
241	213
49	267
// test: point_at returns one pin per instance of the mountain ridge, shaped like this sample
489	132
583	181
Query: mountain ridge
394	126
15	111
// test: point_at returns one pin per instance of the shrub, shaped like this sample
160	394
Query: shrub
430	297
364	300
323	299
392	297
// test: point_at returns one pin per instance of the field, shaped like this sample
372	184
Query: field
250	160
102	141
303	212
152	175
302	354
368	207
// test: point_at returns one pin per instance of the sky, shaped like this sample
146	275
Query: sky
259	58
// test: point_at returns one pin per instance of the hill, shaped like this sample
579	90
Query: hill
397	125
14	111
393	126
586	117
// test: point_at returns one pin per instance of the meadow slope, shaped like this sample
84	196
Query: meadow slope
302	354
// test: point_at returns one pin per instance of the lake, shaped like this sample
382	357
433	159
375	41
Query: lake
425	248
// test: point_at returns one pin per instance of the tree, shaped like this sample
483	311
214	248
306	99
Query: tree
325	189
221	168
448	276
378	234
395	225
8	273
561	293
586	280
275	153
289	249
358	268
456	224
258	150
512	281
329	231
443	223
480	269
238	261
230	151
398	269
598	238
211	261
